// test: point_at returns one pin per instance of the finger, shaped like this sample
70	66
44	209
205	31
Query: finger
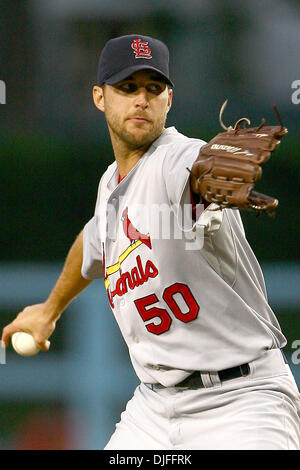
44	345
259	201
7	332
4	339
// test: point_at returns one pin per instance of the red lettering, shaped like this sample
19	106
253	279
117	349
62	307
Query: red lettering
153	312
187	296
110	298
135	277
121	287
127	277
151	270
147	311
142	274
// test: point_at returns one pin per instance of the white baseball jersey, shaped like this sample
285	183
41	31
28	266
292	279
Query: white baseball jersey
187	296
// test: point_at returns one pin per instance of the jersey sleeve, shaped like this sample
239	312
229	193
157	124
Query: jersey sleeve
178	160
92	252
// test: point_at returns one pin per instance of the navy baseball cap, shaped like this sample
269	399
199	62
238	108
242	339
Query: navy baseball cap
124	55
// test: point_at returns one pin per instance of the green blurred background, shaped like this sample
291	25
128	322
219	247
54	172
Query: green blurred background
55	145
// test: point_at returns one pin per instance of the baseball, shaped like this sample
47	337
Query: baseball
24	344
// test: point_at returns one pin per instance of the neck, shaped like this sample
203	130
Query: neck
127	161
125	156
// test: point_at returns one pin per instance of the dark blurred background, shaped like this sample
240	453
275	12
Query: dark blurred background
55	144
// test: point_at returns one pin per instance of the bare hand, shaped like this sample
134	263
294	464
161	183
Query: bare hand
34	320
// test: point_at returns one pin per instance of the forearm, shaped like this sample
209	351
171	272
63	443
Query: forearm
70	282
39	320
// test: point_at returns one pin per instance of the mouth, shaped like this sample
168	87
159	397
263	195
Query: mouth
138	119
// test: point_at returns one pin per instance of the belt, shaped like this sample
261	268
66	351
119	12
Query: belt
272	361
194	380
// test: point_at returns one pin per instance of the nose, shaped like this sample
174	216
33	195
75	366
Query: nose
141	100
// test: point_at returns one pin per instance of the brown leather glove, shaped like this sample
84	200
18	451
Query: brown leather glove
228	167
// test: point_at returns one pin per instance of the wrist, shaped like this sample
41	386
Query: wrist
53	309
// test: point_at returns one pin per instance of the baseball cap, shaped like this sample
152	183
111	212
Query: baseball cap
124	55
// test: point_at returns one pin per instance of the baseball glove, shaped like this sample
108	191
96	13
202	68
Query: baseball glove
229	165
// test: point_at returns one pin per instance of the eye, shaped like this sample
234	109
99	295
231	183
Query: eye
131	87
155	88
128	87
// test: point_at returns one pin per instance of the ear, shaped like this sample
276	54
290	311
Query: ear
98	96
170	98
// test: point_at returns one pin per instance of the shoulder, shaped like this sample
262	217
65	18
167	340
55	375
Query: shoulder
177	151
104	180
107	175
109	170
175	148
171	139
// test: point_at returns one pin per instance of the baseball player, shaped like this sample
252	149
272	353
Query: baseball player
181	279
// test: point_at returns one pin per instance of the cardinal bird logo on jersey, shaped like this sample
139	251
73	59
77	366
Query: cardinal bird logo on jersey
132	233
142	270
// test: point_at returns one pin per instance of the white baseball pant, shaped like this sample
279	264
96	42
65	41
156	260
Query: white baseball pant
257	412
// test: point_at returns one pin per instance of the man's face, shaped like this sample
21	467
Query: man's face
135	108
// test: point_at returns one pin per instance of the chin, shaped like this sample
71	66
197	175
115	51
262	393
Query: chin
148	139
140	138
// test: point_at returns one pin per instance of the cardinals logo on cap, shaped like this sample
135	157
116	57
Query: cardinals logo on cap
141	49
